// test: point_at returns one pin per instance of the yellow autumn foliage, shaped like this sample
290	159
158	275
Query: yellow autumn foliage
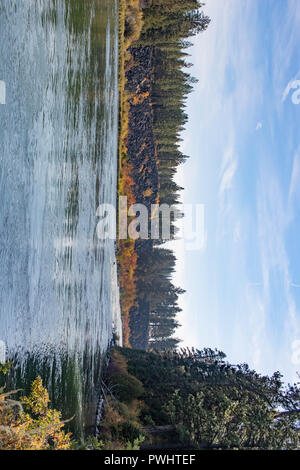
29	424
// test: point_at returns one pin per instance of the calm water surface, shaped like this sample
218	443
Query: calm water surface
59	296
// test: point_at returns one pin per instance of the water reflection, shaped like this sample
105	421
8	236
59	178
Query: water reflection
58	157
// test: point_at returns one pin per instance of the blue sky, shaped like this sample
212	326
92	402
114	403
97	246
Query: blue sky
243	136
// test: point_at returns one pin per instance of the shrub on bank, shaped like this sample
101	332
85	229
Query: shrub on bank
29	424
127	387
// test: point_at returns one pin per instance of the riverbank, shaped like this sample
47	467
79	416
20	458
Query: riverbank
130	13
153	87
138	161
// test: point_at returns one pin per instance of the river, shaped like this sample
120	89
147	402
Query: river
59	296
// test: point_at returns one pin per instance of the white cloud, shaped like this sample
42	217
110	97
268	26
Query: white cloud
285	42
228	176
273	221
295	178
257	319
229	167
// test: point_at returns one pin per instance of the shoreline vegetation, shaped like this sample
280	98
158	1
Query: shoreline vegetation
153	87
185	399
126	255
28	423
192	399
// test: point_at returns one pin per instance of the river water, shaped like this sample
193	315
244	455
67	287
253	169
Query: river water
59	298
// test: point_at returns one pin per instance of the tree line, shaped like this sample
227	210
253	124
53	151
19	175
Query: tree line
167	27
196	399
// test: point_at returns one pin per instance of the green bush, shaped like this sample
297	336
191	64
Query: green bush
127	387
128	432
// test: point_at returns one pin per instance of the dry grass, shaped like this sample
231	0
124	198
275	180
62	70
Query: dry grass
130	27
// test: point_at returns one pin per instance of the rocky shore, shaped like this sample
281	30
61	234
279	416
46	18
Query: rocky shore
142	155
